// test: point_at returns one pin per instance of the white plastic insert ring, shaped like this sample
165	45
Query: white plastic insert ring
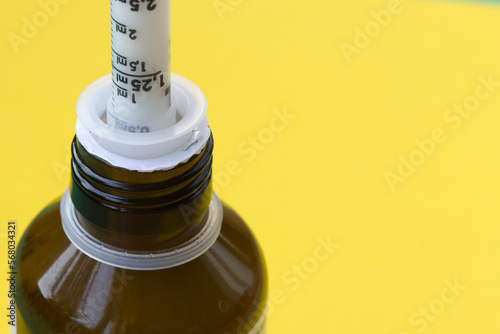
188	134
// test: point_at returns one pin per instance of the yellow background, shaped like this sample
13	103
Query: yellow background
324	175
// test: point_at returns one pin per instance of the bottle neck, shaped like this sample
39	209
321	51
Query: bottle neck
139	211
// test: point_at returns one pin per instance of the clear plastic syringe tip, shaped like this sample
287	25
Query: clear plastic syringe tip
140	46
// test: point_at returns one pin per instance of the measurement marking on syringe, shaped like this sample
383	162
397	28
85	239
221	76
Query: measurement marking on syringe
117	21
136	75
122	28
117	85
119	55
135	5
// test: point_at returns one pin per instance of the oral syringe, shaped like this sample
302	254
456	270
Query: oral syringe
141	116
140	46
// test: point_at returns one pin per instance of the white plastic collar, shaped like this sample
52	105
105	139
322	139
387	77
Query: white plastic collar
186	252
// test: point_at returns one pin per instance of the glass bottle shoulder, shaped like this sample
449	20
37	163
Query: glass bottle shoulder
62	290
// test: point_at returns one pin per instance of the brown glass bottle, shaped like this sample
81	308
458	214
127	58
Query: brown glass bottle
62	290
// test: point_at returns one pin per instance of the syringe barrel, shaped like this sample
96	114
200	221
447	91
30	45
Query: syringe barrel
140	43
